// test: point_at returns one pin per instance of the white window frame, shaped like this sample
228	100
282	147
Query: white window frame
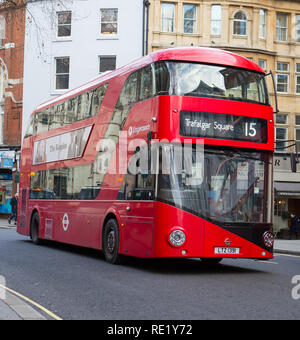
283	73
297	140
283	63
68	37
264	67
285	38
286	135
168	18
297	76
195	19
215	21
287	119
2	29
240	21
296	121
297	28
56	74
287	83
109	36
262	25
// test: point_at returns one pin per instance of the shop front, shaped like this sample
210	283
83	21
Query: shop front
8	171
286	192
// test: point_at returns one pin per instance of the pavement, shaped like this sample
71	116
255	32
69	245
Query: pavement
14	306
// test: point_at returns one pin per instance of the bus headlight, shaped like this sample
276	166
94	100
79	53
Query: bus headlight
177	238
268	238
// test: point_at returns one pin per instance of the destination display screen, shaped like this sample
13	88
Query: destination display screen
223	126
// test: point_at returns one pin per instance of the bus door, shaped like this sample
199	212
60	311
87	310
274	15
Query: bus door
137	212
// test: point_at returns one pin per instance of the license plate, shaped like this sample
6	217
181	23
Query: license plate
227	250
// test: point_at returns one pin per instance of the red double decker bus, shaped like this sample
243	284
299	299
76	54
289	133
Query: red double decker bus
170	156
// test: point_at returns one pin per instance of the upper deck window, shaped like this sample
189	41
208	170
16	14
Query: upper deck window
202	80
72	110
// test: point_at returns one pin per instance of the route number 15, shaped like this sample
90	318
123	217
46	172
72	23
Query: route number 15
250	129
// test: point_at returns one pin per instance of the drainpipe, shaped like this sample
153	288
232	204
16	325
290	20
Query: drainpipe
146	5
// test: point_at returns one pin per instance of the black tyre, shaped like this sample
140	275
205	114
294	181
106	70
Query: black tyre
111	242
34	229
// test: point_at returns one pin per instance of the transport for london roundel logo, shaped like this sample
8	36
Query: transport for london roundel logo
65	222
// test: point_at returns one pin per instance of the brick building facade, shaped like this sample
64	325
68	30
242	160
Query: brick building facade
12	34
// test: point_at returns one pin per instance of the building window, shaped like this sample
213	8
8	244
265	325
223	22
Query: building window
240	23
298	84
64	21
107	63
297	137
2	29
297	119
297	78
109	21
283	66
282	83
190	19
216	20
168	17
262	63
281	137
262	23
282	78
282	119
298	28
282	27
62	74
280	207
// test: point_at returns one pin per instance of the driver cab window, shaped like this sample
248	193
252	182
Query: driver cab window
138	183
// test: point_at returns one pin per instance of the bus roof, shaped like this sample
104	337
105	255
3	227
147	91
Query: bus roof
192	54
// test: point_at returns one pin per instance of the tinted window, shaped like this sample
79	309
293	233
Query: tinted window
81	107
203	80
77	183
146	85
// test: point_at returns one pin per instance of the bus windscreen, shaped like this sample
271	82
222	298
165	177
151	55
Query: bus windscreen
203	80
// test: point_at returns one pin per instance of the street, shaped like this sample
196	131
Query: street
77	283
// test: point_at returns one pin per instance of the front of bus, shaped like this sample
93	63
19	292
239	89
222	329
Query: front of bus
214	180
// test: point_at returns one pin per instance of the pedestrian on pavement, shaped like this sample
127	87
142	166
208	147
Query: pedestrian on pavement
14	208
295	225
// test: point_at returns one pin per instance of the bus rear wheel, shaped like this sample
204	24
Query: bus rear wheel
34	229
111	241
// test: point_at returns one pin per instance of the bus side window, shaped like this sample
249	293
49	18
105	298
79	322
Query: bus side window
162	78
78	113
98	97
129	92
136	185
144	188
70	111
31	128
127	98
42	122
146	86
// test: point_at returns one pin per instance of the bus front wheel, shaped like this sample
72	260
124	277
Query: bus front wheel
34	229
111	241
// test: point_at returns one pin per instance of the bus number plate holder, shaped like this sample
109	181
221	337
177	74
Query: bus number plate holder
227	250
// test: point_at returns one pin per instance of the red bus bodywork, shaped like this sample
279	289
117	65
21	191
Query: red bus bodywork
144	226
